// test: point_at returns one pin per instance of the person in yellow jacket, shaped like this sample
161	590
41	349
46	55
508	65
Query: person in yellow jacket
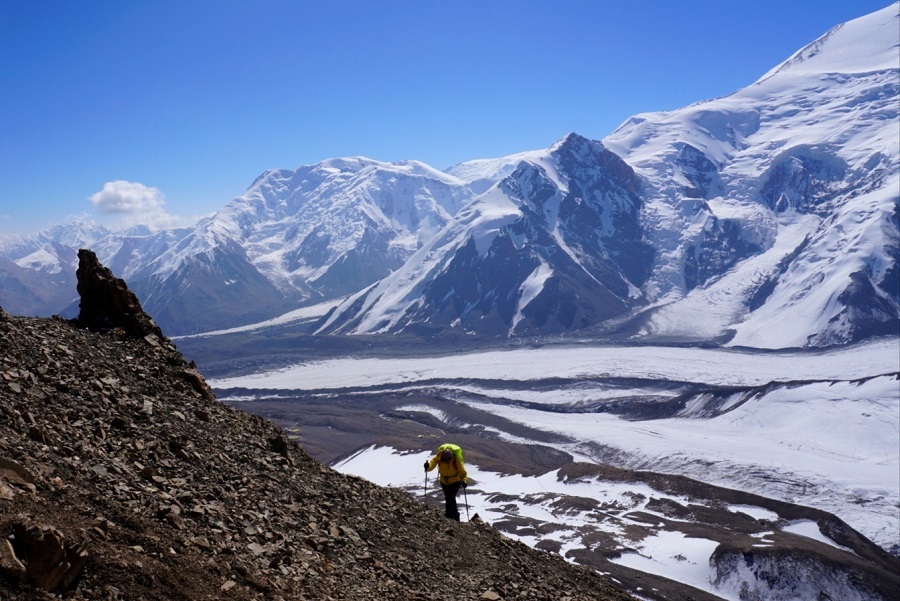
449	462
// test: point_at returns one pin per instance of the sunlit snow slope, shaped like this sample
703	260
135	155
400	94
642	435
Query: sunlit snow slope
802	169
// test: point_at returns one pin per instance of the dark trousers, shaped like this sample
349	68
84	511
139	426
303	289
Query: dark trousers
450	491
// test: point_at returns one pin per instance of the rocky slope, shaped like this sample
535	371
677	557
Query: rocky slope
122	477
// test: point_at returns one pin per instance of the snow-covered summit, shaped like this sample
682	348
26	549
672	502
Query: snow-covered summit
751	195
561	226
864	45
819	95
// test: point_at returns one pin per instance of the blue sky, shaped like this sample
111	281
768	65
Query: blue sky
189	101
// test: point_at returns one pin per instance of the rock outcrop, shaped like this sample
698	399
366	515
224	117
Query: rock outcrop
122	477
39	556
107	303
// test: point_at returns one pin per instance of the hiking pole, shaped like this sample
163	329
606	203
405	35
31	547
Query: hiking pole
466	495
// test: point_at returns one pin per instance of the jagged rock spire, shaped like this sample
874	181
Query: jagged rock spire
106	301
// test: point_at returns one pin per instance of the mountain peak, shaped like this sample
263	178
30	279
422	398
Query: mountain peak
572	141
864	45
576	150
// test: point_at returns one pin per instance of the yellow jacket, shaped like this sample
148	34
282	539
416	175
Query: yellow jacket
451	472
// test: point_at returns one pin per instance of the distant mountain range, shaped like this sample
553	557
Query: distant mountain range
768	218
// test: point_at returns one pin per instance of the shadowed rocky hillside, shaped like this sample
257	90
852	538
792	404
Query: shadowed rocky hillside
122	477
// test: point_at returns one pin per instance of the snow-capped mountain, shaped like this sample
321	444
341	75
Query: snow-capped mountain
554	246
776	208
341	223
765	218
768	217
295	237
37	276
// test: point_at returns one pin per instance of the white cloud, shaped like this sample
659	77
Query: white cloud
134	203
128	197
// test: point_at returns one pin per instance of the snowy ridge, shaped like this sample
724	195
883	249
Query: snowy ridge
481	174
852	47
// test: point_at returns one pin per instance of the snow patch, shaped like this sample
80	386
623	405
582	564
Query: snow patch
529	289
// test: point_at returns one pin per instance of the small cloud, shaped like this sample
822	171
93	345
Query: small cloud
134	203
128	197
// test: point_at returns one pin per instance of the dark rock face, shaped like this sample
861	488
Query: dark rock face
701	172
600	214
39	556
800	576
802	178
574	257
890	282
866	313
371	259
121	478
721	247
765	289
314	250
107	303
476	289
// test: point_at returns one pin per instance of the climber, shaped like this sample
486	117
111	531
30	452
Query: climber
449	461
